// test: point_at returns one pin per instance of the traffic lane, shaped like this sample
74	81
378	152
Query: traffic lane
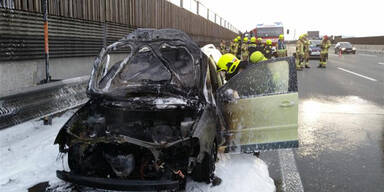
341	145
331	81
368	66
341	123
336	132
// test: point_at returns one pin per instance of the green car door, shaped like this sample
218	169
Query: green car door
259	106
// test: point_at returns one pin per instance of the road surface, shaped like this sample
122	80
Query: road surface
341	125
341	128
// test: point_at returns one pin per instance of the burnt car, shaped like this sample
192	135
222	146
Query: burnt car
151	119
344	47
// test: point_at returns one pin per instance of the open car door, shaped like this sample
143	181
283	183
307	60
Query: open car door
260	106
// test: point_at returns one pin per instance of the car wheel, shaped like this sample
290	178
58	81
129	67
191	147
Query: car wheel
203	172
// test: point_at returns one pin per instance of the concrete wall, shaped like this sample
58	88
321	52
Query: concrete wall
15	75
370	49
375	40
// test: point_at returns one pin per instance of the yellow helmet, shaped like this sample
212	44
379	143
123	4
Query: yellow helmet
301	36
238	38
259	39
245	39
268	42
281	36
256	57
305	34
228	63
235	40
253	39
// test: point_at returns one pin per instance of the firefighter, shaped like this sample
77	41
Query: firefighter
244	50
281	48
268	49
238	55
230	65
260	45
223	47
306	51
256	57
325	44
252	46
299	52
234	46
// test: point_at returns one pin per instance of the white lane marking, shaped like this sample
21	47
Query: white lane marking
351	72
381	63
368	55
290	175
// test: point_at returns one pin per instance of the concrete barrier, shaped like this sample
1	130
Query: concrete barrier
16	75
370	49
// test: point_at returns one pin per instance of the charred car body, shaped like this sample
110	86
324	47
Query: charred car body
158	109
151	119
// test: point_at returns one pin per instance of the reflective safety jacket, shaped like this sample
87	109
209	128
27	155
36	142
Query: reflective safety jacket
268	51
325	44
234	48
252	47
306	46
300	47
244	51
260	47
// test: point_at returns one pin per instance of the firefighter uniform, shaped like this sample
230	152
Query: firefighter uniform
281	48
260	45
244	50
325	44
223	47
234	46
268	51
252	47
299	53
306	52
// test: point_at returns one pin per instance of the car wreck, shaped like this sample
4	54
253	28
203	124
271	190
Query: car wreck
151	119
158	110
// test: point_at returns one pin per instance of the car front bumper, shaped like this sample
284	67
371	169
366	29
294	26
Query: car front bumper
348	51
314	55
118	184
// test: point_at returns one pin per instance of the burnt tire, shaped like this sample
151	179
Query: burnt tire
203	172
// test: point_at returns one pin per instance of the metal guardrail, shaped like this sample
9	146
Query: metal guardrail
42	100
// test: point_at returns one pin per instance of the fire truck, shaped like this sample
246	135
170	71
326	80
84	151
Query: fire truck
269	31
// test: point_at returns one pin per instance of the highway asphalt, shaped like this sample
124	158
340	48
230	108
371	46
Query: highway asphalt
341	128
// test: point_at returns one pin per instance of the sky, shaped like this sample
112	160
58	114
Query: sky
331	17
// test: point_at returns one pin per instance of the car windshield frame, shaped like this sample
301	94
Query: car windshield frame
174	85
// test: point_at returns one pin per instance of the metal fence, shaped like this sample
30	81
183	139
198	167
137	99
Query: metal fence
82	27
